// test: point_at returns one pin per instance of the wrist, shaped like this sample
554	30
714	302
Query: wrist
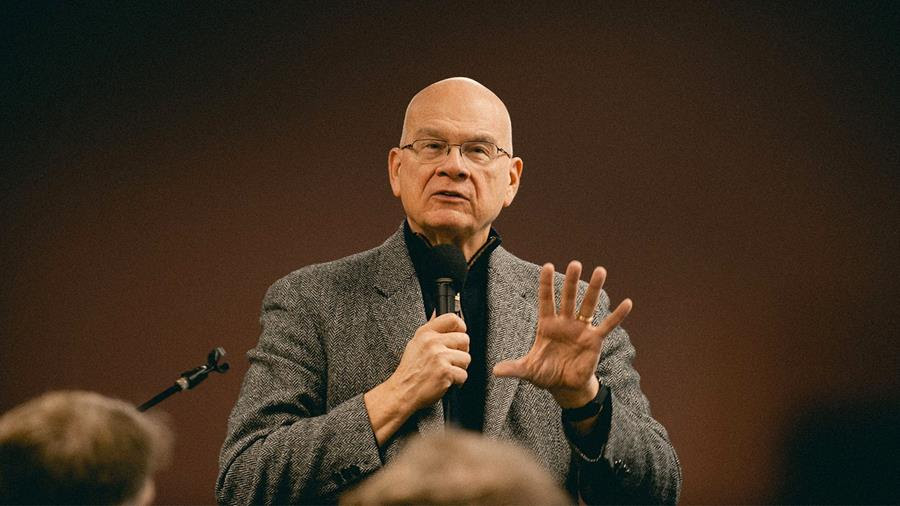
572	399
585	415
392	400
387	411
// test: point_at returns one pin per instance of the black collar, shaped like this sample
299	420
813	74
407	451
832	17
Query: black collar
418	246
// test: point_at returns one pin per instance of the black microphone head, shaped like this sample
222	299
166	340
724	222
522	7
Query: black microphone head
448	261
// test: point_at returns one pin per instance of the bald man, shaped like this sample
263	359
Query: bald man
352	360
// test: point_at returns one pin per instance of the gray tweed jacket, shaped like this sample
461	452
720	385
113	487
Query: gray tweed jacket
300	433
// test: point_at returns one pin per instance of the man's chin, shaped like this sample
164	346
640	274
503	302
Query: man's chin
447	226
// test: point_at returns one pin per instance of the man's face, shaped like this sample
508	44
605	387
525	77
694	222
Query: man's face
454	200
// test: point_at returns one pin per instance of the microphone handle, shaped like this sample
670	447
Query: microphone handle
446	296
446	303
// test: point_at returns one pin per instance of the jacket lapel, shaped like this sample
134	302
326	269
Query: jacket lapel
511	326
398	313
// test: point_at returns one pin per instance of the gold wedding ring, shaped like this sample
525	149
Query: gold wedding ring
585	319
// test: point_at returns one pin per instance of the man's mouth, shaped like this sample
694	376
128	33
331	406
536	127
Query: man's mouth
451	194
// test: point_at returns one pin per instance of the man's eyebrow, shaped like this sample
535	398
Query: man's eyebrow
431	133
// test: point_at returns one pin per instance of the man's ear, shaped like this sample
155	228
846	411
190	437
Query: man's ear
515	175
394	156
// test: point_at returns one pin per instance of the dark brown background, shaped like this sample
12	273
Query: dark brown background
734	166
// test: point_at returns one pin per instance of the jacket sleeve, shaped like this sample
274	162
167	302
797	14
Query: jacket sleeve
284	444
628	458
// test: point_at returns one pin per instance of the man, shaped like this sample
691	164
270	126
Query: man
350	364
77	447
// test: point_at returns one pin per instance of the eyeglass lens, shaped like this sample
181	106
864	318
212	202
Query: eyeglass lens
432	150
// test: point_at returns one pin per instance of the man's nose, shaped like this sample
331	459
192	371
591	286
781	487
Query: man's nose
454	166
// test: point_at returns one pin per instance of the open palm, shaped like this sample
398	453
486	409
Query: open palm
567	346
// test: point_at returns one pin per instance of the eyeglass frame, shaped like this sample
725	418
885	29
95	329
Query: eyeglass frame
459	145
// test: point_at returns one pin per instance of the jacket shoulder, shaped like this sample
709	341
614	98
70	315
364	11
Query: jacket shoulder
326	280
506	264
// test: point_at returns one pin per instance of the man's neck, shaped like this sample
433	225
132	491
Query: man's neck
469	245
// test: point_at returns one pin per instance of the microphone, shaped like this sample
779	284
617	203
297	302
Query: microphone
192	378
449	268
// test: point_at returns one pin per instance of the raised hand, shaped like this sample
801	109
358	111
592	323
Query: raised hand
567	346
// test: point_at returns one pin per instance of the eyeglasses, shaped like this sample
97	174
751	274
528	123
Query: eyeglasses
437	150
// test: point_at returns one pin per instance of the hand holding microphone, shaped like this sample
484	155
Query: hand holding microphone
434	360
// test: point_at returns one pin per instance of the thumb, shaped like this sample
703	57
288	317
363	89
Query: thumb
510	368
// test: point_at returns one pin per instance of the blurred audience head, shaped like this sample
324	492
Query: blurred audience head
456	467
74	447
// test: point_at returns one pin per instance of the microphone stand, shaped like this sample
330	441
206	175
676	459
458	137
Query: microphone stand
190	379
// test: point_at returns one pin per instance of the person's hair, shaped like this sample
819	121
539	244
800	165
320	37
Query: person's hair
75	447
457	467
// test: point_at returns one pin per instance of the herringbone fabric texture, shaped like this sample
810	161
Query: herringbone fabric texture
300	433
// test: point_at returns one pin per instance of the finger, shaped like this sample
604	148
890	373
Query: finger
458	375
570	288
592	295
455	340
614	318
546	303
459	358
510	369
448	322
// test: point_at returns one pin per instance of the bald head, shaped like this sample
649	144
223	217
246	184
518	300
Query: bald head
462	105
